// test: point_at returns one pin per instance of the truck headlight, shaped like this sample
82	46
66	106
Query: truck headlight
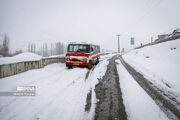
67	58
87	59
84	59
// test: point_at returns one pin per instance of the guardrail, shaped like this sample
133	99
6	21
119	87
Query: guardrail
16	68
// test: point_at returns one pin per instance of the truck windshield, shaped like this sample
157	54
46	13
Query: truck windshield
78	48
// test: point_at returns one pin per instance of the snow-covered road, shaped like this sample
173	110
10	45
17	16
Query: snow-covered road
60	93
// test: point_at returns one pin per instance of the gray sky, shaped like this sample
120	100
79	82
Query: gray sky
95	21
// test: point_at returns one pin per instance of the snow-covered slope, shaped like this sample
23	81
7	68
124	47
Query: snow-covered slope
159	63
26	56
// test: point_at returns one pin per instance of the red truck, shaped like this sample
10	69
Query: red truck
82	54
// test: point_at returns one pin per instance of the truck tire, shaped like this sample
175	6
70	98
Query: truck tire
90	65
69	66
97	61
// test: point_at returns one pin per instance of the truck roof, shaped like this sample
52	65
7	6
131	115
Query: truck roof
83	43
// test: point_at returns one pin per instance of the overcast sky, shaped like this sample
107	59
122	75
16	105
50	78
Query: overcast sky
95	21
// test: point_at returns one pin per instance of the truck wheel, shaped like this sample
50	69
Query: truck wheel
97	61
69	66
90	65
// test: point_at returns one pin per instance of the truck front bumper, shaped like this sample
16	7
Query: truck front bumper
76	63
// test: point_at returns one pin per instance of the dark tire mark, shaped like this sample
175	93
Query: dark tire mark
110	105
88	101
87	74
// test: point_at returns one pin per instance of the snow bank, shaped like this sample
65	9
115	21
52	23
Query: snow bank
23	57
56	56
159	63
107	56
139	105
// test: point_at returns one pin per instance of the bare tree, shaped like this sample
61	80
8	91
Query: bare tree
45	50
40	51
29	47
18	52
59	48
5	46
32	47
52	49
55	49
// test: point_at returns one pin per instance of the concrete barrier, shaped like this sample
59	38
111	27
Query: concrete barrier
16	68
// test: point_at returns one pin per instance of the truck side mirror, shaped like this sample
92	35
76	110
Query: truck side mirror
92	49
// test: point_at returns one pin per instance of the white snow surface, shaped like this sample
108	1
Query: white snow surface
56	56
160	64
60	93
23	57
104	57
138	104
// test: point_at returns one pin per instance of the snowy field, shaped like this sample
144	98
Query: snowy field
160	64
60	93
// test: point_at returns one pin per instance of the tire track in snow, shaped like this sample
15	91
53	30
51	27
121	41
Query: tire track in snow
171	110
110	105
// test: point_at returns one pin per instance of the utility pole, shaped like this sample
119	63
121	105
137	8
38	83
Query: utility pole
151	39
118	44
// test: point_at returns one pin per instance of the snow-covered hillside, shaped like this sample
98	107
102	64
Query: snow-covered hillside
160	64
